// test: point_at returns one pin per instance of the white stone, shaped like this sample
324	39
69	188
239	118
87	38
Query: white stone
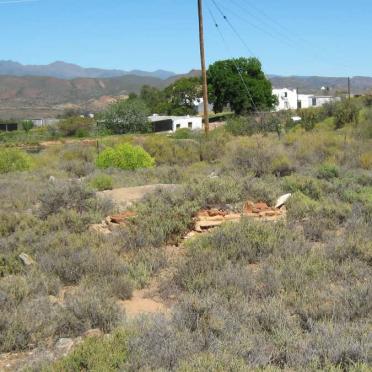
282	200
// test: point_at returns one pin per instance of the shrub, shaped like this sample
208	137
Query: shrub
27	125
183	133
93	308
121	287
95	354
102	182
172	152
125	156
13	160
309	117
366	160
65	195
253	154
347	112
78	168
75	126
241	126
327	172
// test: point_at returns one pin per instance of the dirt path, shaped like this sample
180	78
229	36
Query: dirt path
150	300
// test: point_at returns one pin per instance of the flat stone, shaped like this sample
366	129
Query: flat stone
93	333
26	259
64	345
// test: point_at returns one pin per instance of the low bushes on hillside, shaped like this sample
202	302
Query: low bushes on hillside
125	156
12	160
102	182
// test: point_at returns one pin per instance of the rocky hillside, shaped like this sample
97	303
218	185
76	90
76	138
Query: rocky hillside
22	97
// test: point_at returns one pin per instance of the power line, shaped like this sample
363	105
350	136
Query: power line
234	29
287	37
233	59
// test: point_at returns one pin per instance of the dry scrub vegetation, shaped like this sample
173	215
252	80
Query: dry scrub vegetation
292	295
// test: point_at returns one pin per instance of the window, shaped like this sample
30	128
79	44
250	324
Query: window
314	101
286	94
190	125
178	126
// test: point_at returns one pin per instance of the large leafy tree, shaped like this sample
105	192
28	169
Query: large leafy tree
182	94
227	88
126	116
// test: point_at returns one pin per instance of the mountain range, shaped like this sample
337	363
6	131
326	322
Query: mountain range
49	90
63	70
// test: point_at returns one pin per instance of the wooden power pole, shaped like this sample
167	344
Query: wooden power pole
204	70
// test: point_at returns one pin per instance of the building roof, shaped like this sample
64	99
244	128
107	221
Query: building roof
155	117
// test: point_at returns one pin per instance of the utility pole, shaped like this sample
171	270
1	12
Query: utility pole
349	87
204	70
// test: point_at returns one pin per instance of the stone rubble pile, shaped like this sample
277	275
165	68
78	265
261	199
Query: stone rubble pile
211	218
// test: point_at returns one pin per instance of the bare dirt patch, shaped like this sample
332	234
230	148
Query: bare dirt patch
125	197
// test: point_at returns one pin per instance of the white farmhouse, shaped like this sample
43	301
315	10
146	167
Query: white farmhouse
287	99
290	99
172	123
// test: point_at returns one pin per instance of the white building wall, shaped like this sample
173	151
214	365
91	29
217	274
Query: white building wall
287	99
191	122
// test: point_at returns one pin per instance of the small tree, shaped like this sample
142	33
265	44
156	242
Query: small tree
126	116
27	125
346	112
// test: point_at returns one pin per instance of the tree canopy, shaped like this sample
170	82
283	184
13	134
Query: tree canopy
227	88
176	99
126	116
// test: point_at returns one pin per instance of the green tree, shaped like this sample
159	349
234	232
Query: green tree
27	125
75	126
227	88
182	94
126	116
155	100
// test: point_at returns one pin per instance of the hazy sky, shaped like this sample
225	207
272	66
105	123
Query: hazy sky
315	37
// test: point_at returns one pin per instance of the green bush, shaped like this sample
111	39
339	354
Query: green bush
327	171
27	125
95	354
125	156
347	112
241	126
172	152
102	182
13	160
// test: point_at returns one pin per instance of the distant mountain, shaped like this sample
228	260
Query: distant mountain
45	96
33	96
63	70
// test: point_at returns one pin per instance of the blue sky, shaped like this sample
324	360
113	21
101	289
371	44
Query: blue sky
317	37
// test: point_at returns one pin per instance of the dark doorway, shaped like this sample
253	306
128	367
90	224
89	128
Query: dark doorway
163	125
8	127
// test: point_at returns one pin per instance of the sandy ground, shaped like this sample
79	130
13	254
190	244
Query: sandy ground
124	197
